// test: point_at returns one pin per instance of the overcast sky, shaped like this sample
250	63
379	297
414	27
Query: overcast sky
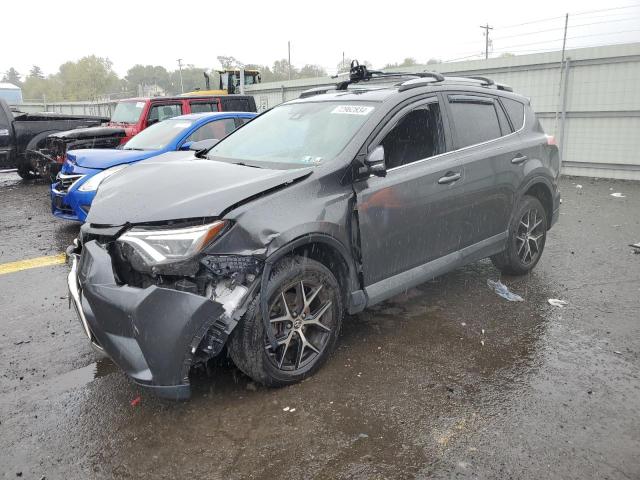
49	33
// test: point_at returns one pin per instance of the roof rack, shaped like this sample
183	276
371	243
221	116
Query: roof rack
486	81
360	73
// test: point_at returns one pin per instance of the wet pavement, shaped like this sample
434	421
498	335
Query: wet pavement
446	381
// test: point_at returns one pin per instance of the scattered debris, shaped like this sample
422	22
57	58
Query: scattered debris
483	331
22	342
286	409
617	195
555	302
292	410
136	401
617	352
463	324
363	435
251	387
635	246
482	342
502	290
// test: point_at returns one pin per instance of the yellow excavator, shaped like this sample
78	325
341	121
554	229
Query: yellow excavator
230	82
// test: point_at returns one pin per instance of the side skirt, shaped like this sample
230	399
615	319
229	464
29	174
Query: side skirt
401	282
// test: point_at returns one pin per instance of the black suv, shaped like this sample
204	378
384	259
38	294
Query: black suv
322	206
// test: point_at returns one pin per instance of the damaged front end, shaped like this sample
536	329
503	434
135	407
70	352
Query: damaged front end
156	302
48	161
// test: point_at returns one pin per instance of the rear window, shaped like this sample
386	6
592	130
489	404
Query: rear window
515	110
475	119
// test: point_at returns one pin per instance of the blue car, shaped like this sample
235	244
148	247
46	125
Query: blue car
84	170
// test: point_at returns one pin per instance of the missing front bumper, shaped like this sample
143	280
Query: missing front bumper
151	333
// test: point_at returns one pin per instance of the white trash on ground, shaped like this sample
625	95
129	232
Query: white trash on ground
555	302
617	195
502	290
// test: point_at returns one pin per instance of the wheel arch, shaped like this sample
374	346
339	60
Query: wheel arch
541	188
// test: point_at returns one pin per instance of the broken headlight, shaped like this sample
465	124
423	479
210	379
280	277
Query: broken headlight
163	246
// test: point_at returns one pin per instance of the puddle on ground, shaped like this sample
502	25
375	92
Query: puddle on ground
80	377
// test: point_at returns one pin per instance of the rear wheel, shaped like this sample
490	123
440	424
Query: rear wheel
527	236
305	315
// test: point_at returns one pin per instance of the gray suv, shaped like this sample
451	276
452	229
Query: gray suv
322	206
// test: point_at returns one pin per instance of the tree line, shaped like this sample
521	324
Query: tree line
93	78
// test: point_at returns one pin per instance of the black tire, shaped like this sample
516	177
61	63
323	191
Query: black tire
248	345
527	236
25	172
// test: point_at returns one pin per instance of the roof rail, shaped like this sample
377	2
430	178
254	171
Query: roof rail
360	73
486	81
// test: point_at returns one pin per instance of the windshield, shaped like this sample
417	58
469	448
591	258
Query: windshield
298	134
127	112
159	135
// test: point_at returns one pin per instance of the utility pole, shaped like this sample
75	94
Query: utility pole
180	67
562	73
343	61
486	29
289	49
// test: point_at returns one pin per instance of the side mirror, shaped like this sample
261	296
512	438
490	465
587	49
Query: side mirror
151	121
186	146
374	162
201	145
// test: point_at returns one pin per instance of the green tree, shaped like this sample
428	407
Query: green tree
90	78
12	76
229	62
192	79
147	75
312	71
36	72
280	70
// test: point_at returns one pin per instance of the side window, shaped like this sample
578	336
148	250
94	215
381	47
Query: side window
236	104
241	121
216	129
418	135
162	112
201	107
475	119
515	110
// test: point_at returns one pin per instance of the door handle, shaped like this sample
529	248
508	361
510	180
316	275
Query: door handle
450	177
519	159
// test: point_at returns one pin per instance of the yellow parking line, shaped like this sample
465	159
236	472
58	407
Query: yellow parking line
12	267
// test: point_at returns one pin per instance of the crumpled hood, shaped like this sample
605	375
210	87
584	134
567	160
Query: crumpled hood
106	158
162	189
90	132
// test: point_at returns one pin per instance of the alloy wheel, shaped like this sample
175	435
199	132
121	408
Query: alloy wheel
530	236
302	320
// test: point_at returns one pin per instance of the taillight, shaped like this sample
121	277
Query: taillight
551	140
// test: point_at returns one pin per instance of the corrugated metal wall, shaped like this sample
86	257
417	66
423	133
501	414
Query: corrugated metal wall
600	133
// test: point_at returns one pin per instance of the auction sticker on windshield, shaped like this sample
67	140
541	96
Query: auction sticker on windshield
352	110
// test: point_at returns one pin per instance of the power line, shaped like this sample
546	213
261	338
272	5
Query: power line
586	12
562	28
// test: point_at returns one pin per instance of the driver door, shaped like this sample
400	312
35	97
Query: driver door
412	216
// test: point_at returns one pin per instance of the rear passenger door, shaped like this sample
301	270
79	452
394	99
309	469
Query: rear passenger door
485	147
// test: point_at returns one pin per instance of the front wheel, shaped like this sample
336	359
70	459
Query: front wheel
25	171
305	315
527	236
